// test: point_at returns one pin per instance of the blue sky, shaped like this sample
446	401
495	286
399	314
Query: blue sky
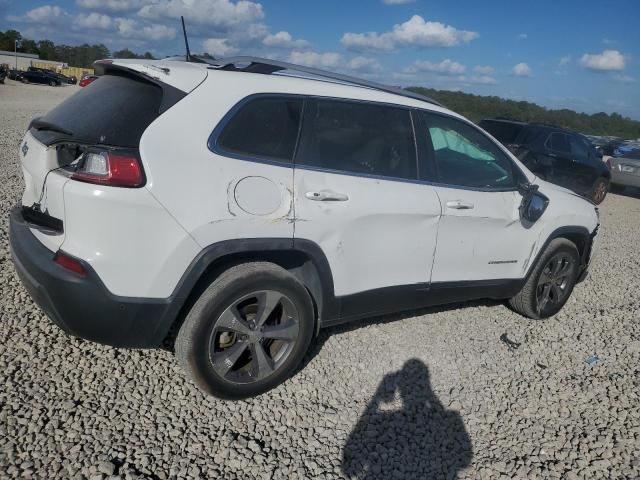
583	55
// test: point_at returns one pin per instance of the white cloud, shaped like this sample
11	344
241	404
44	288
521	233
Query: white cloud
217	13
415	31
482	79
93	21
113	5
445	67
46	14
317	60
158	32
624	78
483	70
522	36
368	41
397	2
284	40
218	47
564	60
521	70
364	64
607	60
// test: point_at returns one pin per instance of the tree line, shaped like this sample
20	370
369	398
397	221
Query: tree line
76	56
477	107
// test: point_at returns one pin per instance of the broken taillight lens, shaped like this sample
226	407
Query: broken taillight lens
115	168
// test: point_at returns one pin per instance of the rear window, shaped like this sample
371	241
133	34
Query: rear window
113	110
264	127
504	132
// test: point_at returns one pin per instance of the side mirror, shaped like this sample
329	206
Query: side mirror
533	203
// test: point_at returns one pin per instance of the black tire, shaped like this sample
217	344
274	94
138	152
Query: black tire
206	332
528	301
599	190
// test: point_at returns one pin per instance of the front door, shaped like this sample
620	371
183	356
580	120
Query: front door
358	197
480	236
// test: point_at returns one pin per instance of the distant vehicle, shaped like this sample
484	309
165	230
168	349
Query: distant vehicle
4	71
554	154
87	79
15	75
625	170
605	145
63	78
41	77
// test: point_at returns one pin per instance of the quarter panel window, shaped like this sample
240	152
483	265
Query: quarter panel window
579	149
264	127
359	138
466	157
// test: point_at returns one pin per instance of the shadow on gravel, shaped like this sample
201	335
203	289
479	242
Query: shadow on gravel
420	440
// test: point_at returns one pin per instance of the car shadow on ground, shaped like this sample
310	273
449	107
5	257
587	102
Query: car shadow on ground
326	333
630	192
418	440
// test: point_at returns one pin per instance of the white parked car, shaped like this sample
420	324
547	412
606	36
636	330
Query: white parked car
247	204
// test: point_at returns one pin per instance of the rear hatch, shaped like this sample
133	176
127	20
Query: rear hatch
111	113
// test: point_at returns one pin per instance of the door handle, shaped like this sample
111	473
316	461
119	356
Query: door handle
327	196
459	205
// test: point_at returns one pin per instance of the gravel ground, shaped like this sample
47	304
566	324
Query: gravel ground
473	391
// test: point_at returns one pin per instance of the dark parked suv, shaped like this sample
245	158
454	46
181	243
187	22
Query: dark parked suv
560	156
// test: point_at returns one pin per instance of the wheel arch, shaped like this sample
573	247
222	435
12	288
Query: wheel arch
302	258
578	235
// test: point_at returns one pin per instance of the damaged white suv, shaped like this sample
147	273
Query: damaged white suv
243	205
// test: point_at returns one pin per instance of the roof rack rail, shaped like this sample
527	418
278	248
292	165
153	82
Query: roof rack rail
266	66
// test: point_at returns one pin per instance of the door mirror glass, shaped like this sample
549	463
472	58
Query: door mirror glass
533	204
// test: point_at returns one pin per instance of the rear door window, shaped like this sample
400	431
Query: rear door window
113	110
264	127
357	137
579	149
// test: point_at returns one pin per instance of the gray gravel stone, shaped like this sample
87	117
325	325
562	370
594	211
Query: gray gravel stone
74	409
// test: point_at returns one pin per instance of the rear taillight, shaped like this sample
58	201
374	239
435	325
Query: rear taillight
69	263
115	168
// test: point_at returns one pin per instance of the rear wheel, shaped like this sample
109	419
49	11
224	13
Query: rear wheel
600	189
247	332
550	283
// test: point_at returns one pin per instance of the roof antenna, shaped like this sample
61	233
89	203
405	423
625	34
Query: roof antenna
186	41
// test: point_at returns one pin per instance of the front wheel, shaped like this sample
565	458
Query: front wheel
599	192
551	282
247	332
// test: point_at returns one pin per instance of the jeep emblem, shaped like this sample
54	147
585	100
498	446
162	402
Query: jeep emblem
25	149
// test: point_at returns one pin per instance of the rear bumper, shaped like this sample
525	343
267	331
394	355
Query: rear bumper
81	305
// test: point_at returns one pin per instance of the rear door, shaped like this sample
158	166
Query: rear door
558	150
583	168
358	197
480	236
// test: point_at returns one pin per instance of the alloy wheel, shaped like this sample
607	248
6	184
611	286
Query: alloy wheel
555	282
600	192
254	336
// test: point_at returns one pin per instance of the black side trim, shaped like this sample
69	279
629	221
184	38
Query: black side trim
410	297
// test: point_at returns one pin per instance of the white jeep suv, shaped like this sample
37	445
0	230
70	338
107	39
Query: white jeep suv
241	206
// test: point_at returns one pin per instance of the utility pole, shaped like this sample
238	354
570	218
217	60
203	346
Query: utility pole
15	51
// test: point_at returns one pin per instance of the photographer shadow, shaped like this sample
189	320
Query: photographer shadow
421	440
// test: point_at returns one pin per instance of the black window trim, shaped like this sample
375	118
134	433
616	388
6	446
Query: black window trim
548	145
215	147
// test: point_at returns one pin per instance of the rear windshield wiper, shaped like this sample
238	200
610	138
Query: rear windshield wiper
40	124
